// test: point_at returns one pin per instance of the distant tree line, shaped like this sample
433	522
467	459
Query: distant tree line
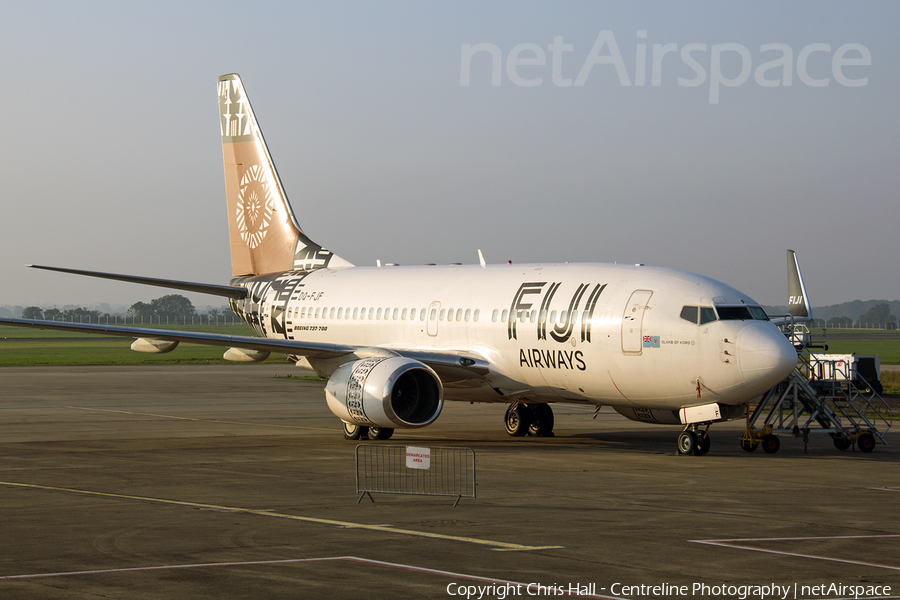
172	308
879	316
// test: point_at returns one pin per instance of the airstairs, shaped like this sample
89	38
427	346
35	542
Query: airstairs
821	395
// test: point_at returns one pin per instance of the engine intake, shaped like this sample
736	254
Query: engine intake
385	392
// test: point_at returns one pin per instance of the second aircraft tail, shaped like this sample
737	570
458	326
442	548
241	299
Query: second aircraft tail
264	234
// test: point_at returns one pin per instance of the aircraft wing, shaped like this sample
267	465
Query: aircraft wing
314	349
451	367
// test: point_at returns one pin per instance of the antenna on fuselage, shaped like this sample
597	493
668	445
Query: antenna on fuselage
481	259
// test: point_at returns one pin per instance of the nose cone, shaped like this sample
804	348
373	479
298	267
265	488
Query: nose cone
765	355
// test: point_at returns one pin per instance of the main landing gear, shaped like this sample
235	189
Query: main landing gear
361	432
693	441
529	419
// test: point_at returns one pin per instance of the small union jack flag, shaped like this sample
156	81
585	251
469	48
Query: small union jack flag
651	341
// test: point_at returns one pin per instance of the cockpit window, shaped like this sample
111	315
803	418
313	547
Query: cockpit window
707	315
734	313
741	313
689	313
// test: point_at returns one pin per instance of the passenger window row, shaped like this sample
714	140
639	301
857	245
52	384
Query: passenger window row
372	313
534	316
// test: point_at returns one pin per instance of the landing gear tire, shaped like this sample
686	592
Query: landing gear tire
517	420
749	446
771	444
687	441
541	424
355	432
865	442
841	443
701	448
380	433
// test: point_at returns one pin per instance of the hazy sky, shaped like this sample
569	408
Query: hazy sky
111	154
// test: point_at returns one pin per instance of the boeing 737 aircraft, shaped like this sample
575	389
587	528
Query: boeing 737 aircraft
658	345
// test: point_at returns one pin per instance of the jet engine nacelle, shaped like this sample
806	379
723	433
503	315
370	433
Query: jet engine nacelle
152	346
384	391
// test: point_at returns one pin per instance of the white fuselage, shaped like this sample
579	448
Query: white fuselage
594	333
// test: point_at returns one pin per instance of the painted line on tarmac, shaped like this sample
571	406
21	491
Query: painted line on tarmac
144	414
740	544
896	489
495	545
288	561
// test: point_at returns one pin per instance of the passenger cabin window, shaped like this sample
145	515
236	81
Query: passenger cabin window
477	313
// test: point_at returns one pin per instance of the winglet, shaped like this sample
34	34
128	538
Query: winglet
798	301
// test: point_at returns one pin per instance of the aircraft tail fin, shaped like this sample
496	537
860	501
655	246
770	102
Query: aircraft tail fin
798	301
263	231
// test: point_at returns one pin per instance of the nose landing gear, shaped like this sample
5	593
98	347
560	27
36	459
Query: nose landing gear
693	441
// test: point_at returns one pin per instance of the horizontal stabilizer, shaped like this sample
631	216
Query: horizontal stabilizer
202	288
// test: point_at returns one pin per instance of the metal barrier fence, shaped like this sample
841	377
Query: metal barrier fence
441	471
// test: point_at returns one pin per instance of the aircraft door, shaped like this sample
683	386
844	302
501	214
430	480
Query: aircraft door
632	322
432	318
